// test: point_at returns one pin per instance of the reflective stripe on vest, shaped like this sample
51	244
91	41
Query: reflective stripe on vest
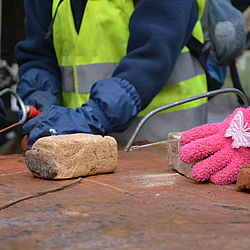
88	74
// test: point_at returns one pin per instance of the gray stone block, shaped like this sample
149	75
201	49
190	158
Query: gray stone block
173	155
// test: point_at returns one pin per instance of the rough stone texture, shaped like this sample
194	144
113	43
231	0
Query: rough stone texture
243	180
70	156
173	155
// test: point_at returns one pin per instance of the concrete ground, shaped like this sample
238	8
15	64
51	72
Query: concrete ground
144	204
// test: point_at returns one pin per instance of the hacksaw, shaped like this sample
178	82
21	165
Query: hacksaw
129	146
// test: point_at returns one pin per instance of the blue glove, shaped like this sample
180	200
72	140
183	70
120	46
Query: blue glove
61	120
3	115
39	88
113	105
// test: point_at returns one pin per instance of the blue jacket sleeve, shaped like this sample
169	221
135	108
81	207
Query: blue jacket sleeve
39	88
158	31
35	51
40	79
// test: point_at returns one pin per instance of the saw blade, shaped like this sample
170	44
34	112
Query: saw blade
151	144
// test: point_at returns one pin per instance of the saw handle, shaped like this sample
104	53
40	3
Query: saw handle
31	112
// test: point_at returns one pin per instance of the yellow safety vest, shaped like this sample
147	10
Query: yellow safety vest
94	53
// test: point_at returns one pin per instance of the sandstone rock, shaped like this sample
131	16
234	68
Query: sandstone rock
173	155
71	156
243	180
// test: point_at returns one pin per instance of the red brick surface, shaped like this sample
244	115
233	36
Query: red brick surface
144	204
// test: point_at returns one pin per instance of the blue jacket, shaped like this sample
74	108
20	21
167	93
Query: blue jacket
158	31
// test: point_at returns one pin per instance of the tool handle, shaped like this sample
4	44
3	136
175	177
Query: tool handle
24	143
32	112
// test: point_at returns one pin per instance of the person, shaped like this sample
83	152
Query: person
99	66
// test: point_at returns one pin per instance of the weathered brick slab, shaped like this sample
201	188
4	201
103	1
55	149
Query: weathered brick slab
71	156
173	155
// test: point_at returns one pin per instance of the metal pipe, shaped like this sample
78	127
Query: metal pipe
24	111
174	104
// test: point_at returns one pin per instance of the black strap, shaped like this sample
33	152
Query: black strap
196	48
50	29
236	80
136	2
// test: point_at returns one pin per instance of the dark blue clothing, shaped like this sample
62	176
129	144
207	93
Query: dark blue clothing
158	31
3	115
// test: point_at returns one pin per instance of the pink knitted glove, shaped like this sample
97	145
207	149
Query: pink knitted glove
223	148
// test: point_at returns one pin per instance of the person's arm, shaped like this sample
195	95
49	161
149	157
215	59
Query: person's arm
158	31
40	79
